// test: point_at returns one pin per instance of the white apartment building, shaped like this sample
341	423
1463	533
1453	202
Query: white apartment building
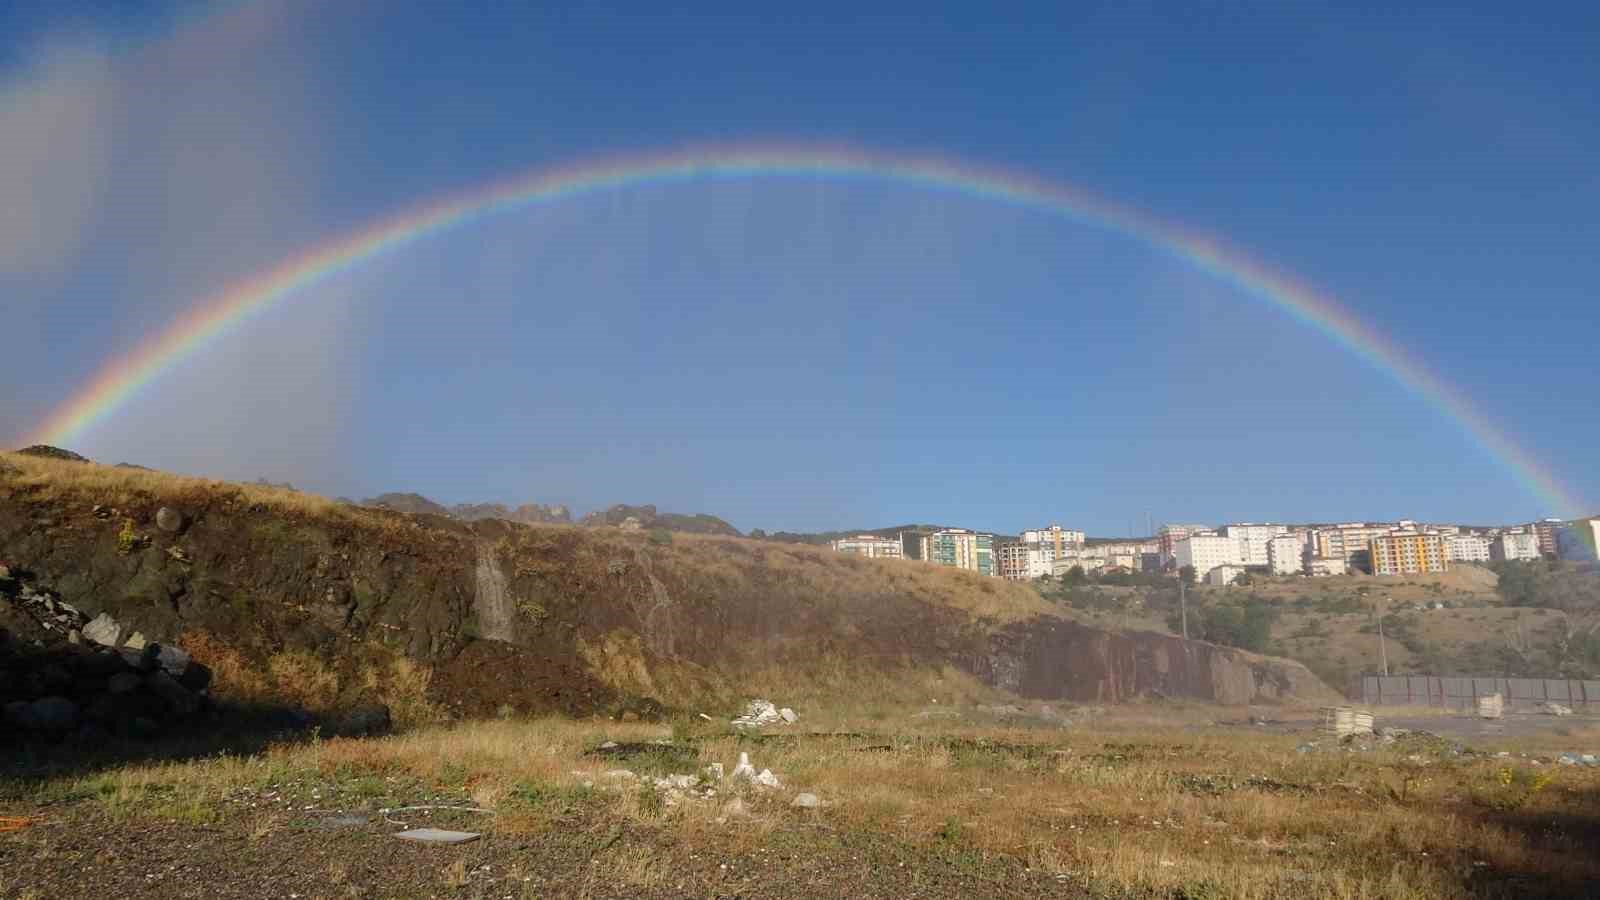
1514	545
1253	541
1046	546
1054	535
1206	551
1224	575
1285	554
1352	542
1322	566
1090	563
1461	547
870	545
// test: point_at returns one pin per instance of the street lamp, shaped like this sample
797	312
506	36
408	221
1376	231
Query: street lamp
1383	653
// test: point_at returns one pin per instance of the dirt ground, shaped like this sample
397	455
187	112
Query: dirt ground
953	800
78	851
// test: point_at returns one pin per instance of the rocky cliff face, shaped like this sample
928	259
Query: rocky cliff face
1051	658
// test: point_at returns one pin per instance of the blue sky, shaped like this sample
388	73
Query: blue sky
816	354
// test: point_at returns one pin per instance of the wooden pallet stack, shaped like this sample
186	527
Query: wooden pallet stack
1491	706
1342	721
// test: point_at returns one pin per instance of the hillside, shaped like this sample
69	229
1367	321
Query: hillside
1460	622
292	597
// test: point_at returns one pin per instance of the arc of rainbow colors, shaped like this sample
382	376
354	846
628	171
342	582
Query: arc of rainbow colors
115	383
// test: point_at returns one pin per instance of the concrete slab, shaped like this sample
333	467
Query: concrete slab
437	836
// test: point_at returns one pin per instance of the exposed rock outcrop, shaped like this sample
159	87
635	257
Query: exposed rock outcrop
406	503
48	452
527	513
648	517
1054	659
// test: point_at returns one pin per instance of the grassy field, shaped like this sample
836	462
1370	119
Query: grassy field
1148	801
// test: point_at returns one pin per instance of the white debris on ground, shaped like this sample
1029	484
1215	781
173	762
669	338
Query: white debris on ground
1556	709
761	713
676	788
746	772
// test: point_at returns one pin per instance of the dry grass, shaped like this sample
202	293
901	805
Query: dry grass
142	491
302	680
1122	805
113	486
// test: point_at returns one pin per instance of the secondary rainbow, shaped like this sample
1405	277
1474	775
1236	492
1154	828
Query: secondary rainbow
115	383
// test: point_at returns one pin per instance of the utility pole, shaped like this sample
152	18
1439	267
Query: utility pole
1383	653
1183	609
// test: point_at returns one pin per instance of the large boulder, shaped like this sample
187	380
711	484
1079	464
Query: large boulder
52	714
102	630
179	700
196	677
170	520
172	660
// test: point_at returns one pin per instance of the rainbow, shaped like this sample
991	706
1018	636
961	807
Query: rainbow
116	382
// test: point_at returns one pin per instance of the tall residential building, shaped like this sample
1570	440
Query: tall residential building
1466	547
1285	554
961	549
870	545
1408	553
1206	551
1253	540
1011	559
1350	542
1514	545
1170	536
1046	546
1548	531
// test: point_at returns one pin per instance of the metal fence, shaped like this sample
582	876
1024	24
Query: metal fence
1463	692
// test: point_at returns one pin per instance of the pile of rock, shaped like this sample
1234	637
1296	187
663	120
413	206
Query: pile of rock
761	713
52	614
676	788
62	685
94	693
744	771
